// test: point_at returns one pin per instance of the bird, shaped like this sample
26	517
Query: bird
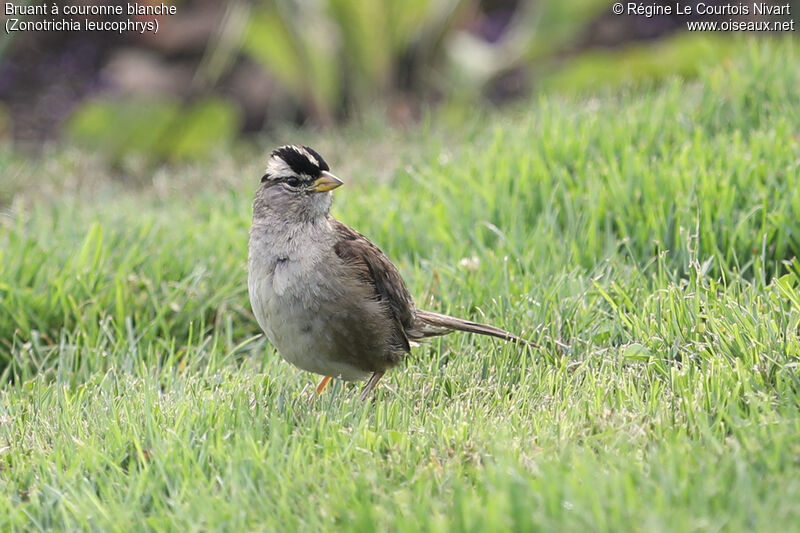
329	300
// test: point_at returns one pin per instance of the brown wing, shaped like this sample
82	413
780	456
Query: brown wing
375	268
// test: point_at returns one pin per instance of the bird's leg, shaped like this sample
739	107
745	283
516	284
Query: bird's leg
373	380
323	384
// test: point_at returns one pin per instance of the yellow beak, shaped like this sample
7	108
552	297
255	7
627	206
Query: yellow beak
326	182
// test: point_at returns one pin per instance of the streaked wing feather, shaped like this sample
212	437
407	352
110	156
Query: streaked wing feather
375	268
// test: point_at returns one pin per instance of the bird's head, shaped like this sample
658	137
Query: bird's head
296	185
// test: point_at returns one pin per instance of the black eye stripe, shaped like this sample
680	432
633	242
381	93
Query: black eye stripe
291	181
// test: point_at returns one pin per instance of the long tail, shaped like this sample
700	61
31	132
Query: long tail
430	324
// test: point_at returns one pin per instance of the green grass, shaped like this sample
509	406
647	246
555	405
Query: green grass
654	231
682	54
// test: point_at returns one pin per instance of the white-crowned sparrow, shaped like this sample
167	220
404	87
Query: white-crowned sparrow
327	298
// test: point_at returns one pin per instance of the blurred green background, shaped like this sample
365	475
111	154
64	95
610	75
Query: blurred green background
220	71
542	166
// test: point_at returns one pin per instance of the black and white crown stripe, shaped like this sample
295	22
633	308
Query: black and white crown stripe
295	160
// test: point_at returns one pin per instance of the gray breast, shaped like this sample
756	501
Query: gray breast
317	318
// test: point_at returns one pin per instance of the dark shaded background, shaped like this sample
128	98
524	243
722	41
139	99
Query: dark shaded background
217	71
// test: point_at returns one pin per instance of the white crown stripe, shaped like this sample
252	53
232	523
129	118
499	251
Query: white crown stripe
277	166
306	153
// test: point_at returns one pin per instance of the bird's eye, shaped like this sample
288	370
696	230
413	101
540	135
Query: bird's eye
264	178
293	182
